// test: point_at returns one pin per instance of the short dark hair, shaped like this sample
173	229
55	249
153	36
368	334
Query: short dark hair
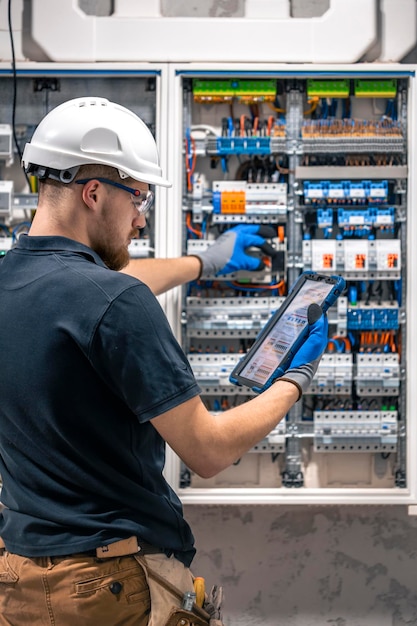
95	170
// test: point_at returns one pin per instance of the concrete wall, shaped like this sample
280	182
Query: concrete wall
309	566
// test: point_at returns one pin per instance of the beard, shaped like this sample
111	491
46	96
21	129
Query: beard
115	259
107	241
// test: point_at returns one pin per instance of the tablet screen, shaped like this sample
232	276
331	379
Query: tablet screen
282	335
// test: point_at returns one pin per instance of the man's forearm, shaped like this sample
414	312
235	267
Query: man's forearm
210	443
163	274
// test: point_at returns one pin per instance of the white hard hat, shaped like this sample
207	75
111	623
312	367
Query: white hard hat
93	130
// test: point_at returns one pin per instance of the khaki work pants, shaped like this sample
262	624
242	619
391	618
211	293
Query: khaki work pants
84	591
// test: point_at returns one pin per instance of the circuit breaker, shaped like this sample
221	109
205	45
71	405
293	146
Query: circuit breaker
318	160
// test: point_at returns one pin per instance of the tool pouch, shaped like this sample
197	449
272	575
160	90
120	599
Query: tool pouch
181	617
167	587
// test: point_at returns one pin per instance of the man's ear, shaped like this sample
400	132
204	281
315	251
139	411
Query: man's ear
90	193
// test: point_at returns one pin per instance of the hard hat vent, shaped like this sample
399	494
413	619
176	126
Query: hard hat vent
101	141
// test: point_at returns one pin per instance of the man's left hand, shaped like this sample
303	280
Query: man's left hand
229	252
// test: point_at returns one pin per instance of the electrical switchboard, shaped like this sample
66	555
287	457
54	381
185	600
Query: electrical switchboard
321	160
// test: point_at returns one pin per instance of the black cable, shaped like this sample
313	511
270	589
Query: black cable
9	17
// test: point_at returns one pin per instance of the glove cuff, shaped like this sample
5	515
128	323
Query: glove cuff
291	380
195	256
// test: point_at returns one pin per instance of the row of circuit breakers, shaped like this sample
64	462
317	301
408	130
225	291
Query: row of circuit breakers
263	152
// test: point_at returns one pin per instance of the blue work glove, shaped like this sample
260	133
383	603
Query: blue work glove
304	364
228	253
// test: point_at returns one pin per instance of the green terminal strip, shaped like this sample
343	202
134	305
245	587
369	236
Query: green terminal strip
375	88
234	88
328	88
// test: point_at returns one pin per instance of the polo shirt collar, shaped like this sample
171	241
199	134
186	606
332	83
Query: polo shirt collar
57	244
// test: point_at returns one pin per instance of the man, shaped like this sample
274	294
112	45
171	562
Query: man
94	383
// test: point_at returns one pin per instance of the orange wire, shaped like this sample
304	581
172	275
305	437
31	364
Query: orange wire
190	226
190	169
278	109
346	341
280	286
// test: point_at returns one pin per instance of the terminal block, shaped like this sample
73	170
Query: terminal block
367	217
355	431
245	90
369	88
345	192
328	88
254	145
225	146
373	316
324	218
377	374
352	137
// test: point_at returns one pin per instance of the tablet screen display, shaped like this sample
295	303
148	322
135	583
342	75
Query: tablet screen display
282	335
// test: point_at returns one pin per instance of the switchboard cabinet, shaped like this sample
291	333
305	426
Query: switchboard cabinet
321	159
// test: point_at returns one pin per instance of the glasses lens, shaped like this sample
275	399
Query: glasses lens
143	202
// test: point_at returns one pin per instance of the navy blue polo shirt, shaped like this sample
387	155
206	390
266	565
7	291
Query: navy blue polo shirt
88	359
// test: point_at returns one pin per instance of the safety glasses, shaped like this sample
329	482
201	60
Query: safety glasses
143	200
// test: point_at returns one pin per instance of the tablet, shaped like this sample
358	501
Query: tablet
279	340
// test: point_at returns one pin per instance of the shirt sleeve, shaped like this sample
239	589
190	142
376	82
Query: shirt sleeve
134	350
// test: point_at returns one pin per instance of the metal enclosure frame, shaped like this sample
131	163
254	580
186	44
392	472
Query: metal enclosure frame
249	496
168	243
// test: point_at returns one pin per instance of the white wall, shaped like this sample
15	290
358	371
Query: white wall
324	31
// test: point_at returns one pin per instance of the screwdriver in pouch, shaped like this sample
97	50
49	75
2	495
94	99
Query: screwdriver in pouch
199	588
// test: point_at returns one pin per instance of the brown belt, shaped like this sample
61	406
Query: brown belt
123	547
